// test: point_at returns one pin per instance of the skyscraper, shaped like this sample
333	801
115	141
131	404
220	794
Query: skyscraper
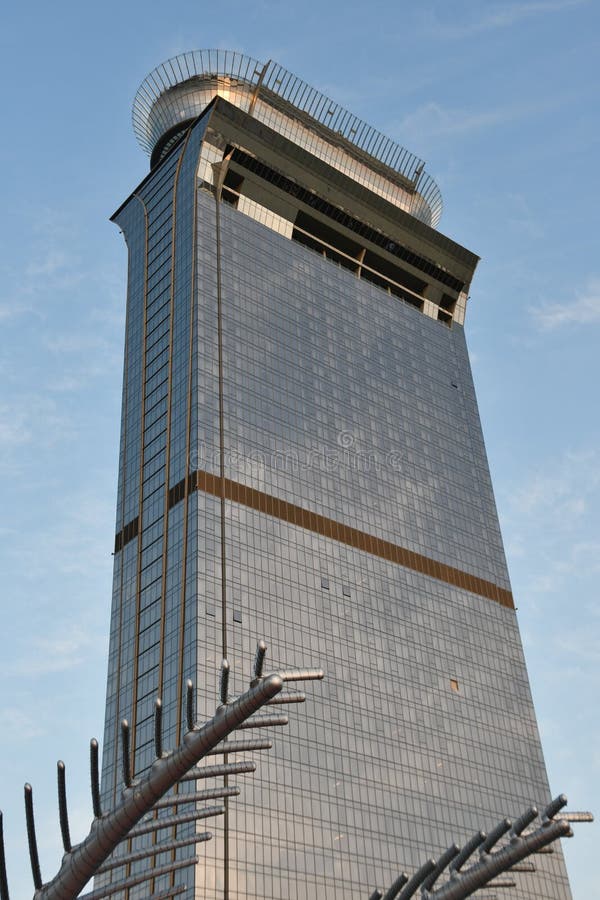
302	460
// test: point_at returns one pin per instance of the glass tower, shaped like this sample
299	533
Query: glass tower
302	460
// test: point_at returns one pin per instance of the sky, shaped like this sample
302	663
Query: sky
502	101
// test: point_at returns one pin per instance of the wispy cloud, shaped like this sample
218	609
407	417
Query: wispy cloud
563	489
432	121
48	654
14	723
583	310
500	16
552	517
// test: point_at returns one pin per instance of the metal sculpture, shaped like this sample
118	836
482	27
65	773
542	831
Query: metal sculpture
141	796
521	844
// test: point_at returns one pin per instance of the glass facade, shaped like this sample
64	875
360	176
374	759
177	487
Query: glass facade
302	460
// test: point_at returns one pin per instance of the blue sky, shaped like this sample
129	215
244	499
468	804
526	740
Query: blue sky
502	100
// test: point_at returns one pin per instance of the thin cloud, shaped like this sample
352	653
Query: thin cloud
432	121
58	653
584	310
503	16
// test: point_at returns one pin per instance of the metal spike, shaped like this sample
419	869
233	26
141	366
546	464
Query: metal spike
4	895
444	860
174	821
399	883
554	807
467	851
495	835
95	778
417	880
158	747
218	770
165	847
577	817
259	659
286	698
31	839
224	682
126	760
63	814
189	705
198	797
111	889
264	722
303	675
376	895
239	746
524	821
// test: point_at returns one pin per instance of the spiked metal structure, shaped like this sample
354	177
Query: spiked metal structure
94	855
521	844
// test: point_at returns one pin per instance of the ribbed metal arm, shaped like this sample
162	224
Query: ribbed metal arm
494	864
81	864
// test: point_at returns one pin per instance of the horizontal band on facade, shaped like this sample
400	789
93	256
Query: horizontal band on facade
337	531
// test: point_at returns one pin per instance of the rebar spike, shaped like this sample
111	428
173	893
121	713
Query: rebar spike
554	807
3	879
495	835
444	860
158	747
259	659
224	682
467	851
524	821
31	838
396	886
189	705
95	778
63	815
126	760
417	880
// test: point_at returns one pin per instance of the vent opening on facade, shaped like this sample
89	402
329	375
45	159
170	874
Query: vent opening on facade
454	685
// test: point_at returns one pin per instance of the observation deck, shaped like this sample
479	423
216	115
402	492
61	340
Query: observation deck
178	90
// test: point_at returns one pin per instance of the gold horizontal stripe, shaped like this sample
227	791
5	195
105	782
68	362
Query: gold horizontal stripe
353	537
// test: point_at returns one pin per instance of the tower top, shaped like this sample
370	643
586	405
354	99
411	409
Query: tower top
178	90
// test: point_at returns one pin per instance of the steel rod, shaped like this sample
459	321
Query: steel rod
239	747
265	722
63	814
189	705
4	895
396	887
174	821
95	778
224	682
199	838
198	797
126	759
158	746
111	889
241	768
412	886
467	851
31	838
259	659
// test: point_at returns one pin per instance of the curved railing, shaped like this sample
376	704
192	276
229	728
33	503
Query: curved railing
150	122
